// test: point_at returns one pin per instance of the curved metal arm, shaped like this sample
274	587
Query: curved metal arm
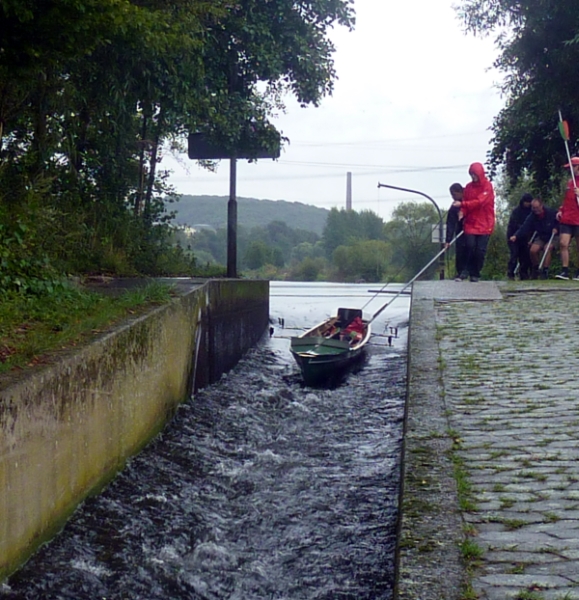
440	227
394	187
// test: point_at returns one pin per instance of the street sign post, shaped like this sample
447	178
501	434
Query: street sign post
250	147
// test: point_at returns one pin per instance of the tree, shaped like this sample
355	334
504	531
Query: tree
539	53
92	91
345	227
257	255
409	232
365	260
309	269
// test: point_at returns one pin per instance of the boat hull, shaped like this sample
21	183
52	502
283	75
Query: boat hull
323	360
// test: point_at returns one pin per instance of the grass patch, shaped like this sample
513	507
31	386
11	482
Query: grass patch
463	485
532	475
517	569
551	517
507	502
470	550
512	524
498	453
468	593
529	594
33	326
470	362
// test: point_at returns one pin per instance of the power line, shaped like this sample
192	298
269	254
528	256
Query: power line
388	141
391	169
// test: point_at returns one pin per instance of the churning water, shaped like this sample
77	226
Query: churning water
260	488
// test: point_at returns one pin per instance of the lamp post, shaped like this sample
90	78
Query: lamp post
440	225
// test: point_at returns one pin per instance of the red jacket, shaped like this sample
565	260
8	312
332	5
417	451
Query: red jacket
570	208
478	204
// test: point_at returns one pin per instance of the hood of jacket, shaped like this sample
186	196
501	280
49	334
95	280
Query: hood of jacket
479	171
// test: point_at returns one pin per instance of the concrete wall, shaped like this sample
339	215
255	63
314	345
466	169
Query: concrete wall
66	430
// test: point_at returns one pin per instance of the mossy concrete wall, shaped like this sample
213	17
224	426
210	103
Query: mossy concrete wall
66	430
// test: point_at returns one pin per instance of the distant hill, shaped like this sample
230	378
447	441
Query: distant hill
212	210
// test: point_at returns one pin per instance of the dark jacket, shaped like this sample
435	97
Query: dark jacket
543	224
453	225
518	216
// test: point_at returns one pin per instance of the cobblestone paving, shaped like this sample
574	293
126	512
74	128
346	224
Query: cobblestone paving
510	384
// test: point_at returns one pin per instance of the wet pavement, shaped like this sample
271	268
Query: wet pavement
491	500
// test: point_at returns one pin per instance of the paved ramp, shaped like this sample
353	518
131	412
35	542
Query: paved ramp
456	291
493	404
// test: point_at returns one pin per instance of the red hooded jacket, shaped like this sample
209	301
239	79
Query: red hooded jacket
570	208
478	204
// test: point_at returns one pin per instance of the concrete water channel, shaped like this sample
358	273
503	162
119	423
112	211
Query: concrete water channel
490	495
260	487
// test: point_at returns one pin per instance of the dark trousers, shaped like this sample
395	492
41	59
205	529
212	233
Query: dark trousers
519	253
461	255
476	246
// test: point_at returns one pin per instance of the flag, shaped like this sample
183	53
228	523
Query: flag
564	130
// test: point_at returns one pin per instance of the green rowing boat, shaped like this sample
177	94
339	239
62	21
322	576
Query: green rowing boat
325	352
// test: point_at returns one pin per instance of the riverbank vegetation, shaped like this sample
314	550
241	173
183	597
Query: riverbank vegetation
33	327
93	94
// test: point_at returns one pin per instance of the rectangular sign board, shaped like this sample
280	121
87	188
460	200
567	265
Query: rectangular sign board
200	148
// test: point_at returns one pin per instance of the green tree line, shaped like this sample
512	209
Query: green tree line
354	246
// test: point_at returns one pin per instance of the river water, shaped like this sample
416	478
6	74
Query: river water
260	488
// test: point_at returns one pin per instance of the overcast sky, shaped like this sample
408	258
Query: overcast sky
412	108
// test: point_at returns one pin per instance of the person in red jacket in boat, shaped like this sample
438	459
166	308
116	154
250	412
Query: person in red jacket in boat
354	332
478	211
568	217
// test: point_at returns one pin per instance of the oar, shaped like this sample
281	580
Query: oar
546	250
414	278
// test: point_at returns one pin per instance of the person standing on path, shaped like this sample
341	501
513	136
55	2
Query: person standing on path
453	228
568	217
543	222
519	250
478	209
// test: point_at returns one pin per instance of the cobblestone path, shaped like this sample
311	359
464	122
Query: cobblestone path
510	373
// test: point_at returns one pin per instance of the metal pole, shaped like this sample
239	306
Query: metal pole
232	221
441	253
440	224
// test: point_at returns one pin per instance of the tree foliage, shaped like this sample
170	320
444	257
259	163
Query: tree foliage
92	92
409	232
345	227
539	53
366	260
